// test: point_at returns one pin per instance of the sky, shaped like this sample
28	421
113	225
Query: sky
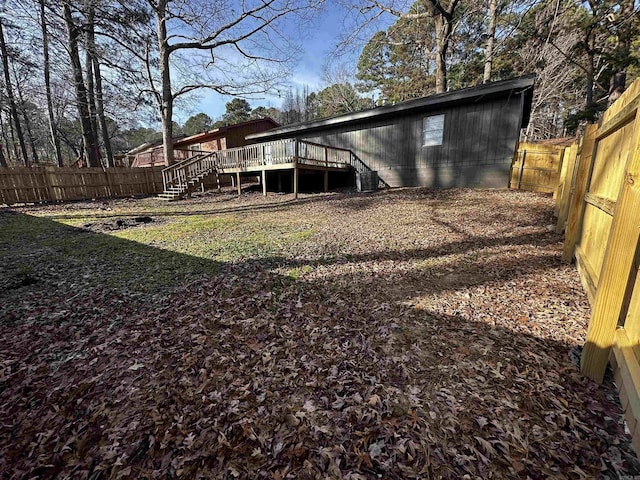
318	46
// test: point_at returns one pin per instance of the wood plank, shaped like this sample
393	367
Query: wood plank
629	375
576	207
632	319
616	270
626	115
563	174
588	276
565	196
604	204
625	99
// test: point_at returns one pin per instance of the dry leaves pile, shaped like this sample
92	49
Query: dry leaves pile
415	334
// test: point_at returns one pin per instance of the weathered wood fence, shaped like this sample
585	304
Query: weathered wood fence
603	234
537	167
46	184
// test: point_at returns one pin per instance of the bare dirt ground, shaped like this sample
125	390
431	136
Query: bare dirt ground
402	334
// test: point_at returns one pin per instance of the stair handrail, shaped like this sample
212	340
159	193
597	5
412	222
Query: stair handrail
178	173
355	160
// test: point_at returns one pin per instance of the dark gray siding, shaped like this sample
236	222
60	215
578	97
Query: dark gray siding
478	145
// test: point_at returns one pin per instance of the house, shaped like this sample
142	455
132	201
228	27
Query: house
462	138
220	138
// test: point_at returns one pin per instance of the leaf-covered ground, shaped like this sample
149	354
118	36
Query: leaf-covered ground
402	334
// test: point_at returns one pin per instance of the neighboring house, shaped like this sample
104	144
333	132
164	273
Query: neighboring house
464	138
220	138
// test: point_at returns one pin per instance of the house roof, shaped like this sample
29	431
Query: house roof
221	131
150	145
559	142
200	137
504	88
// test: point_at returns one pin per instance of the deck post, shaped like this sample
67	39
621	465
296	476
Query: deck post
264	183
239	184
326	180
218	181
295	171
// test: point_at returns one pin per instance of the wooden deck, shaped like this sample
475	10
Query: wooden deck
289	154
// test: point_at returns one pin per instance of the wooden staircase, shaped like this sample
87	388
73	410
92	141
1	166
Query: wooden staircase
186	176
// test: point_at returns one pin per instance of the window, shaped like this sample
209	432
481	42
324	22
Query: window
194	147
432	130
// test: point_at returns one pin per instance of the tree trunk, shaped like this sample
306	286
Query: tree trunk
99	99
624	37
617	86
101	116
89	74
12	132
441	64
81	92
12	102
491	37
3	162
5	137
589	102
27	123
443	21
47	85
166	100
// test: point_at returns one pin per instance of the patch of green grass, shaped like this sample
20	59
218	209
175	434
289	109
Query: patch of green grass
222	238
144	258
87	259
149	257
298	272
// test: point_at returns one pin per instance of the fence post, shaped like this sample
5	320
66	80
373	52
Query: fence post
557	194
521	170
583	178
617	267
109	188
565	194
47	183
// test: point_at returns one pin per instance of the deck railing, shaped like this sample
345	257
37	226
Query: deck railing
281	152
278	152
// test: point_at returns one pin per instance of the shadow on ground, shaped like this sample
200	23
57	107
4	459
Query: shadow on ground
124	360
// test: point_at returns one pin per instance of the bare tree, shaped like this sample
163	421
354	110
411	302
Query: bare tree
25	115
94	83
89	141
241	48
10	97
47	84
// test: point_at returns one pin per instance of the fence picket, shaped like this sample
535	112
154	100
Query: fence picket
46	184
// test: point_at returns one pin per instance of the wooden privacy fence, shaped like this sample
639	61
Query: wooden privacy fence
46	184
536	167
603	234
